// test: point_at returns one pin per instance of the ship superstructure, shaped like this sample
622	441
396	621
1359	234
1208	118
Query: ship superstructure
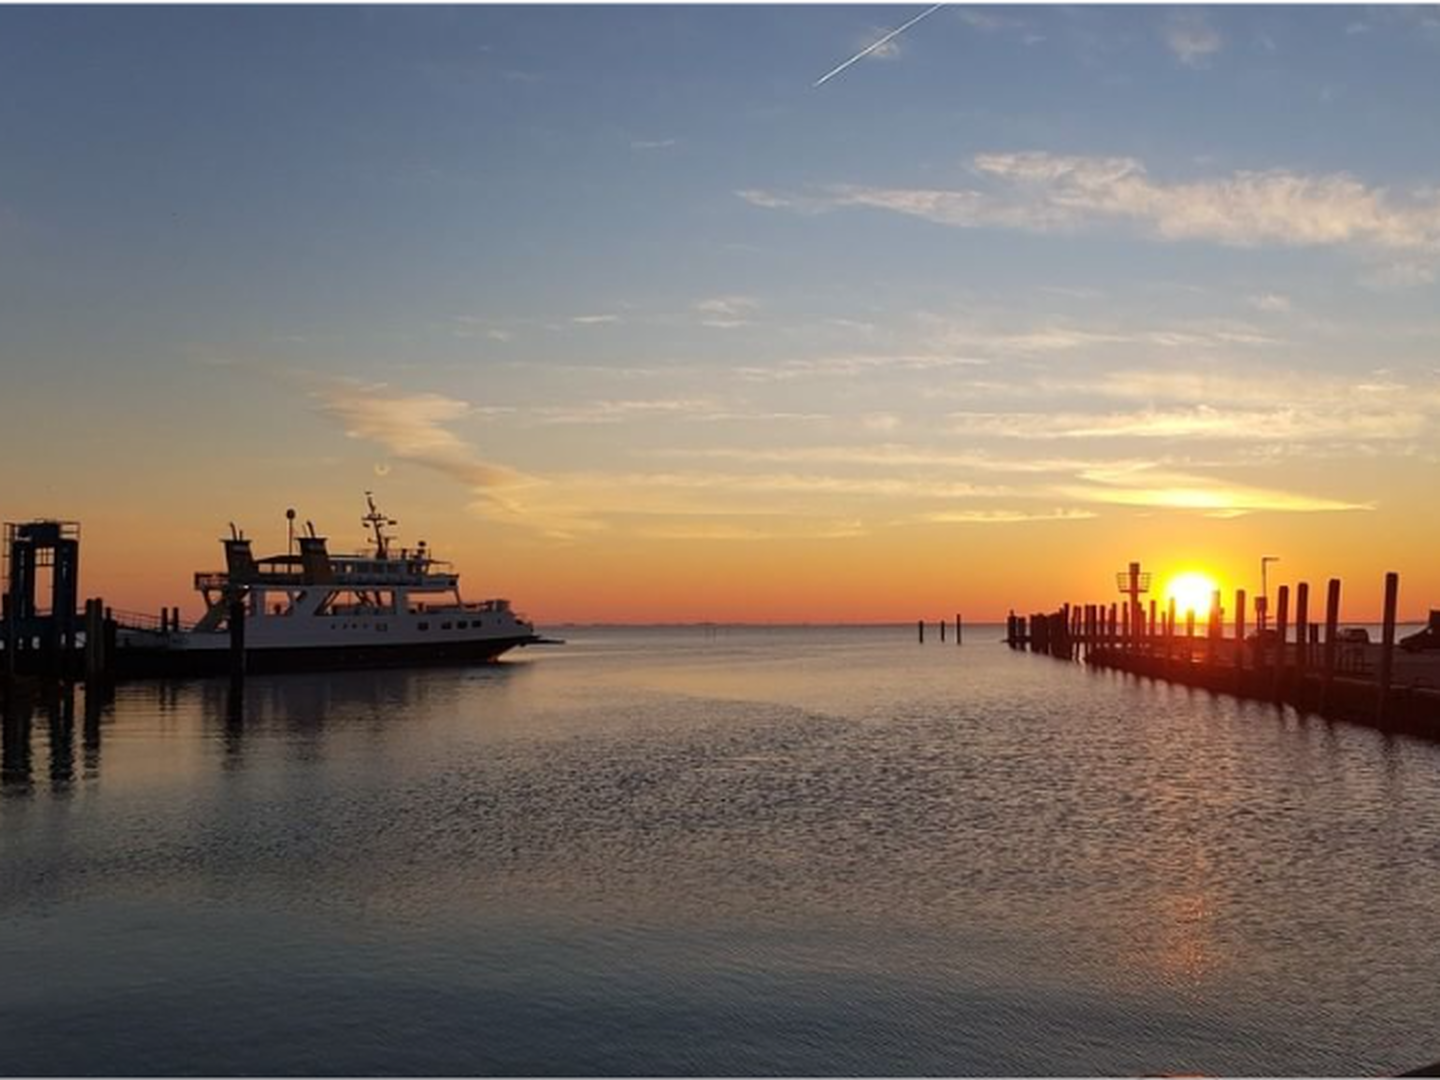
309	607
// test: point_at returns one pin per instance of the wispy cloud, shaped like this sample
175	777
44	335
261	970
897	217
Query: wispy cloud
845	366
1041	192
901	456
611	412
1006	517
1055	335
988	19
775	527
414	428
1191	38
1271	303
726	312
1285	424
1157	489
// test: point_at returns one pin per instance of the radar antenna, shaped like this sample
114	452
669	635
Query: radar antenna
377	521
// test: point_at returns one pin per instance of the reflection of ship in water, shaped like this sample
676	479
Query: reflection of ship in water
305	706
311	609
52	738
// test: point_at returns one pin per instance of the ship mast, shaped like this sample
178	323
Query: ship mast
377	522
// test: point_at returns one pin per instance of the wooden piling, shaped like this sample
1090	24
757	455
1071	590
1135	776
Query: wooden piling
1240	628
1387	647
1332	630
236	619
94	640
1302	628
1282	631
1212	644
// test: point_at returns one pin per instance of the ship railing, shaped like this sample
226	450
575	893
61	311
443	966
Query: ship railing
148	621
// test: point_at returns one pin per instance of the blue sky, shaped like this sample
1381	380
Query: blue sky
617	275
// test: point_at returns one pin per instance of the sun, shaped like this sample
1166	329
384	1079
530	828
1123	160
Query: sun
1191	592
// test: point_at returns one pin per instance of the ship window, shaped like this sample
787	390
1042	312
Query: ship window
444	626
423	626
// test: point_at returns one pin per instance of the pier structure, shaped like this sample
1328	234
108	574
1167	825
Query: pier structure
1394	685
46	633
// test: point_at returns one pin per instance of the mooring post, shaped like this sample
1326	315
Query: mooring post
1282	631
1239	629
1213	630
1387	648
236	620
94	639
1302	629
1332	628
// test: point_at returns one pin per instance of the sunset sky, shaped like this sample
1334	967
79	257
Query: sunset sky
624	315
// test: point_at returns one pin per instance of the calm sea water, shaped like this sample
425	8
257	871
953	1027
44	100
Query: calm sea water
733	851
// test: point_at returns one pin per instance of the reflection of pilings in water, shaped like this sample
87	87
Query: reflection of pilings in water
60	710
15	752
234	720
99	696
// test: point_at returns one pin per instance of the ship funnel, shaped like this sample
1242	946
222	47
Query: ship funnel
239	562
315	560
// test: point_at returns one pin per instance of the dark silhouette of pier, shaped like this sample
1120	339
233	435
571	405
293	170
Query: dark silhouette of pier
1329	670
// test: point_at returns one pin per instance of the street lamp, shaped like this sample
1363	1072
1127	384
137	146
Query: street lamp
1262	605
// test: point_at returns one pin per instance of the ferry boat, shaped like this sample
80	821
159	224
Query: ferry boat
309	608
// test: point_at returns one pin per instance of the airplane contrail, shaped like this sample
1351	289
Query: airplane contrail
875	45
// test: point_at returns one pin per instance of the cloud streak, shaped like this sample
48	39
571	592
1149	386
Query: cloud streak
1156	489
1281	424
1049	193
414	428
1191	39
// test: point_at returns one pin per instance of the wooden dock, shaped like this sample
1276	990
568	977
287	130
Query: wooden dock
1315	667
